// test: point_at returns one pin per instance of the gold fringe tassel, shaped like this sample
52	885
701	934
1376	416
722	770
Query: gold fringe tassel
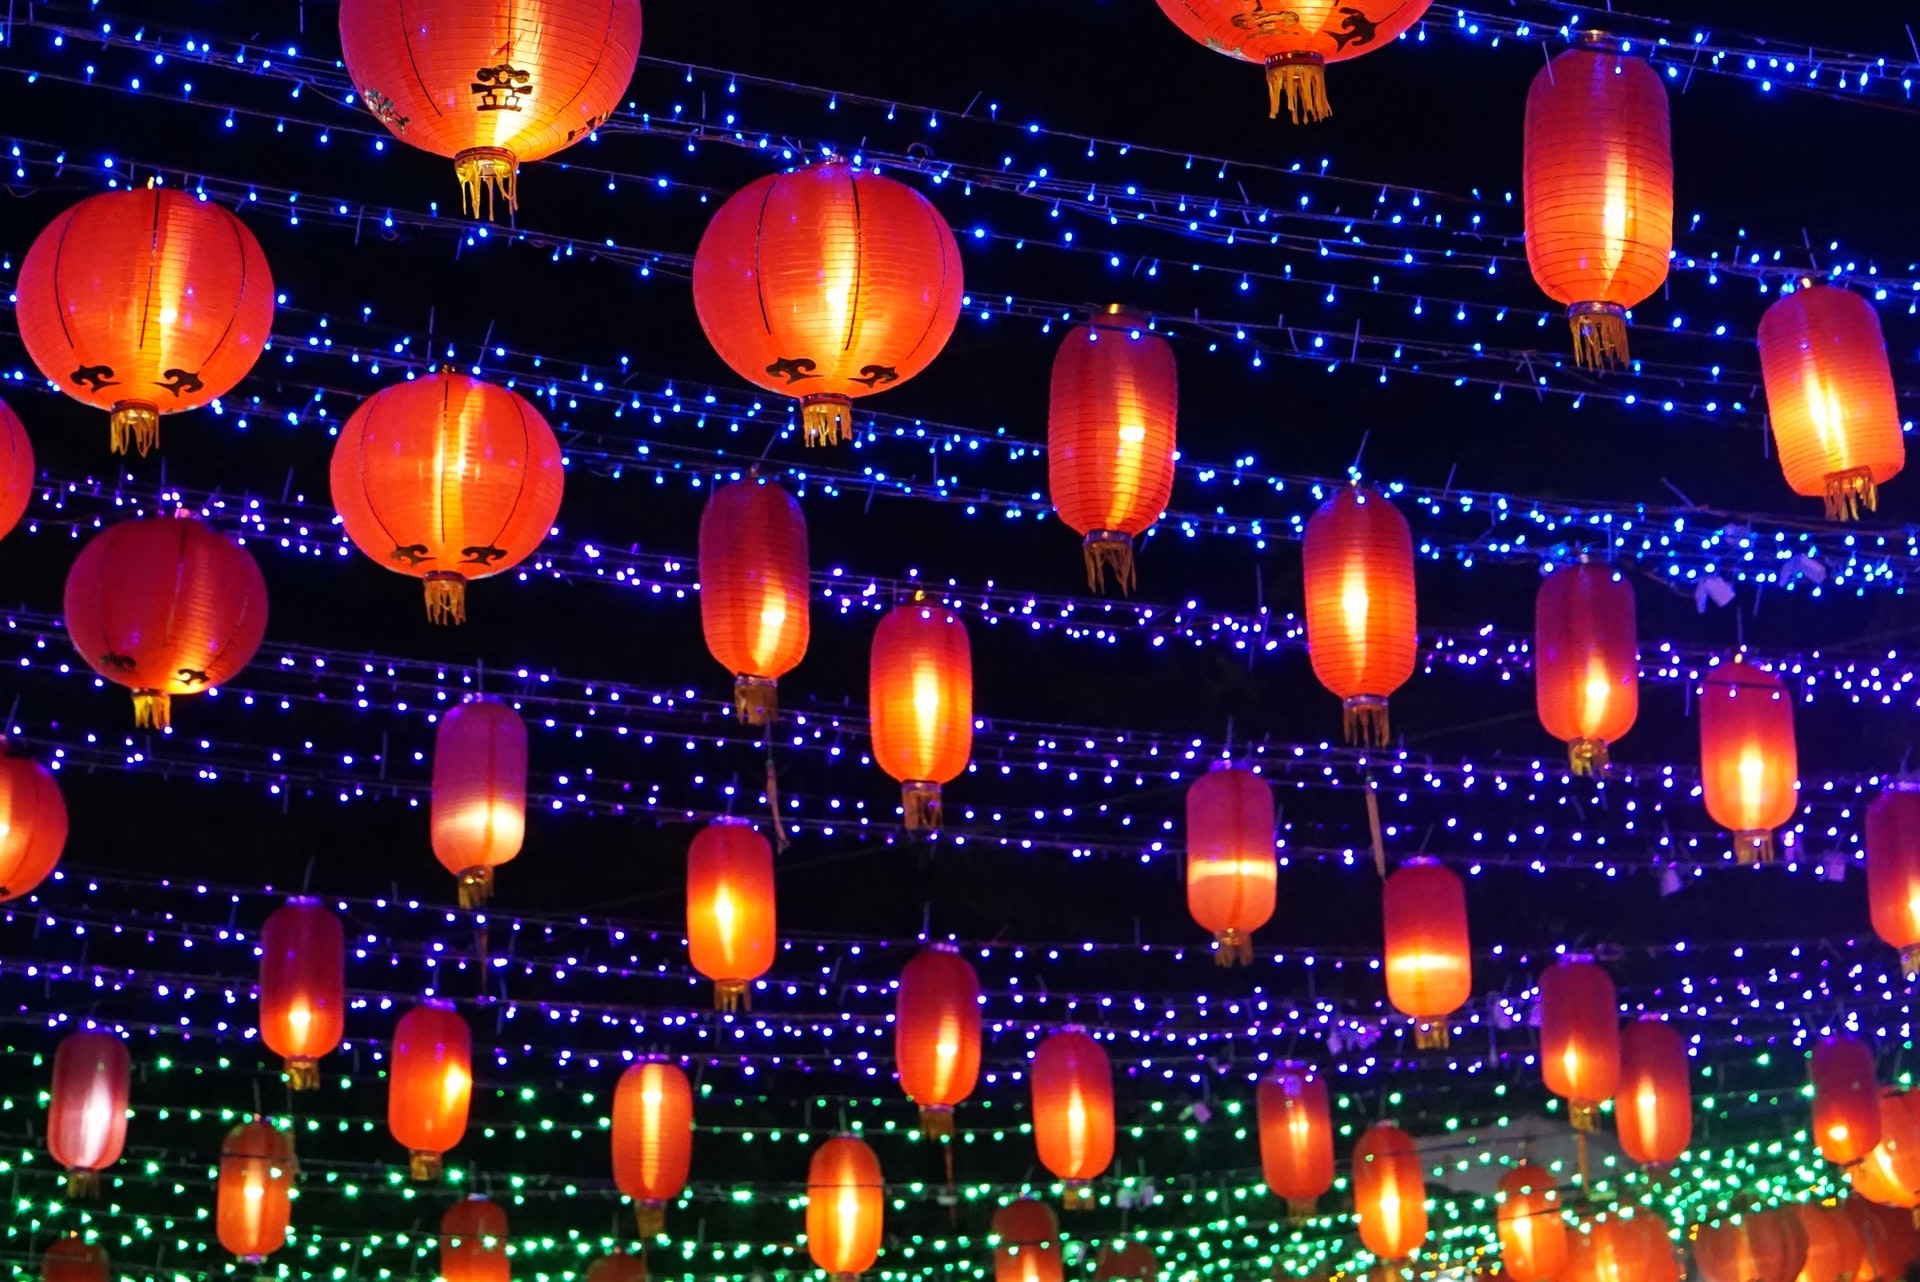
826	419
1432	1035
1599	335
446	598
936	1122
756	700
83	1184
303	1073
1583	1115
1366	721
152	710
1754	847
1588	756
921	801
133	425
1236	948
650	1218
1847	493
1076	1195
493	172
1300	79
476	887
1109	551
731	995
423	1166
1910	961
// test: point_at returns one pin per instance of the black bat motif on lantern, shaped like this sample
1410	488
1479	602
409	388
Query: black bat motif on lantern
501	88
874	375
192	676
795	369
94	377
121	663
481	555
411	554
1358	29
179	380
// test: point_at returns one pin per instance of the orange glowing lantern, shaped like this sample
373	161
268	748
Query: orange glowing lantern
1579	1037
489	86
754	590
448	479
87	1107
253	1204
1749	764
920	697
1653	1108
1769	1246
1361	619
730	909
1889	1237
936	1035
1111	423
1846	1099
1586	669
429	1085
1893	871
846	1204
652	1138
1890	1173
473	1242
1429	958
1533	1234
1119	1261
1232	871
1296	1135
16	472
1598	188
1389	1192
827	283
303	987
1073	1111
164	608
144	303
618	1266
33	824
1029	1249
1830	398
1834	1246
1616	1250
74	1259
479	793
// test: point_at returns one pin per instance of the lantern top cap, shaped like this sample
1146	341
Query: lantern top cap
1421	861
729	821
435	1003
304	901
1576	959
943	946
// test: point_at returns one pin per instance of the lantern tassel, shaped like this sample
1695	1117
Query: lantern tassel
921	801
1847	493
83	1184
1583	1116
756	700
936	1122
826	419
731	995
490	171
650	1218
1109	551
1300	1208
446	598
133	425
423	1166
1754	847
1235	948
1599	335
476	887
1588	756
1366	720
1300	79
1076	1195
152	710
1432	1035
1910	961
303	1073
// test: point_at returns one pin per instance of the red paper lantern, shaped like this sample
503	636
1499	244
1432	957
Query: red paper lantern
1653	1107
1429	957
33	824
1579	1037
1749	765
429	1085
253	1203
491	87
1846	1098
1616	1250
1073	1111
652	1138
1598	190
920	687
1389	1192
87	1107
1295	40
16	472
1112	412
1890	1173
1361	619
1533	1233
936	1034
730	909
473	1242
1586	667
448	479
303	987
165	607
1893	871
1834	1246
143	303
479	793
1830	398
1029	1249
1232	872
1890	1239
828	283
1296	1135
846	1206
618	1266
1120	1261
72	1259
754	592
1769	1246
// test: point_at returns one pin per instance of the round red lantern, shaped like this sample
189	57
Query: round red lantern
846	1206
1029	1249
253	1205
1890	1173
165	607
1232	872
1296	1135
33	824
1834	1247
1617	1250
1769	1246
1429	957
920	697
1111	417
1597	182
754	590
827	283
1295	40
652	1138
1073	1111
143	303
1846	1098
429	1085
1579	1037
87	1107
1119	1261
490	87
473	1242
1586	667
1389	1192
936	1034
730	909
618	1266
1533	1233
1749	764
1361	618
479	818
16	470
1653	1107
1893	870
73	1259
303	987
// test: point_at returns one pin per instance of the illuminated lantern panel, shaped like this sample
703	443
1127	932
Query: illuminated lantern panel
479	810
87	1107
16	472
1389	1192
303	987
1296	1136
920	696
33	824
1846	1098
1749	763
1835	1250
1073	1111
652	1138
1890	1173
429	1085
936	1034
618	1266
1532	1228
1232	871
473	1242
846	1202
1586	667
1579	1037
1362	626
1653	1109
730	909
1893	871
1767	1246
1429	958
73	1260
253	1202
754	590
1029	1249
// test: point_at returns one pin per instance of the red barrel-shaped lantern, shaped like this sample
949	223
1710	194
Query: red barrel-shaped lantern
1586	667
1653	1107
1073	1111
920	699
473	1242
1296	1135
1389	1192
1232	872
303	987
1429	957
1846	1098
1029	1249
1834	1246
1890	1172
1362	625
429	1085
936	1034
1117	1261
33	824
618	1266
73	1259
479	793
1749	763
1597	183
754	590
652	1138
1767	1246
1579	1037
1532	1230
16	471
731	933
253	1201
1893	870
1617	1250
1111	417
87	1107
846	1207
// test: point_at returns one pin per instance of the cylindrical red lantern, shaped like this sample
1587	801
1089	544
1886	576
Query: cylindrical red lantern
143	303
846	1206
1767	1246
1296	1135
1362	627
1579	1037
1111	418
936	1034
1893	870
253	1204
652	1138
920	699
1029	1249
1598	189
754	590
618	1266
1389	1192
16	471
73	1259
1653	1108
1834	1246
1429	957
1846	1098
1120	1261
429	1085
303	987
731	933
1073	1111
33	824
479	793
1890	1173
1533	1233
1586	666
1617	1250
1232	872
473	1242
490	87
87	1108
1749	763
164	608
827	283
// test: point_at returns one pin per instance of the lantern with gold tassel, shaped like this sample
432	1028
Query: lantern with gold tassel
846	1207
1532	1230
429	1085
1232	871
754	590
936	1035
1653	1107
254	1194
87	1107
1429	959
920	688
1389	1192
1893	870
1586	669
1362	630
1296	1135
479	807
1029	1249
652	1138
730	909
1073	1112
33	824
1846	1098
303	987
1579	1042
1749	764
